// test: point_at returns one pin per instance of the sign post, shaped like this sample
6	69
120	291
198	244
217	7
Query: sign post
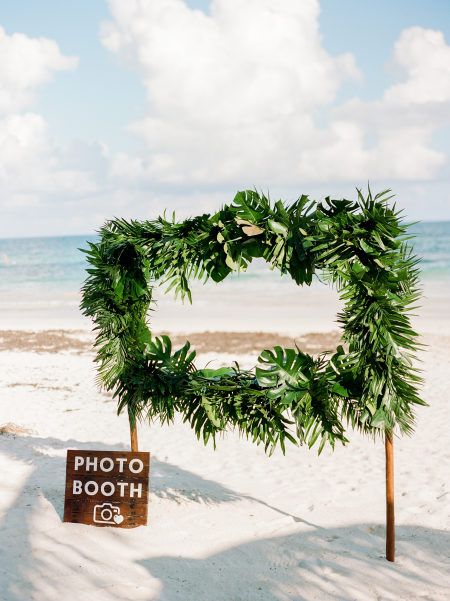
107	488
390	513
133	433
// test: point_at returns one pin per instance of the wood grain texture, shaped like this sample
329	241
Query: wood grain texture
134	437
107	488
390	509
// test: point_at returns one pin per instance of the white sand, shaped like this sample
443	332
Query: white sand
271	305
225	525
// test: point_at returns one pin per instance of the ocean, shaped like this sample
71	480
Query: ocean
55	264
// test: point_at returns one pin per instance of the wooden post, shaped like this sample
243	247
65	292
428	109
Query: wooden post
133	434
390	514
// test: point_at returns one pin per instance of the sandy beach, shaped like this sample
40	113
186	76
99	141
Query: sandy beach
285	166
226	525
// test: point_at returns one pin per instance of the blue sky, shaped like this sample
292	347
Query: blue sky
92	106
84	104
99	98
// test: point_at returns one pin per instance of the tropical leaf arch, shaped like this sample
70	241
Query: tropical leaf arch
360	247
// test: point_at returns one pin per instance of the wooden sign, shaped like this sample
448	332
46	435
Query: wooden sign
107	488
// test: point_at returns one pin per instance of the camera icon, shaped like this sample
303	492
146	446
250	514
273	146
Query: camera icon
106	513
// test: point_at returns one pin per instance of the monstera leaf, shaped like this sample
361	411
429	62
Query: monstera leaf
309	388
360	247
159	354
286	372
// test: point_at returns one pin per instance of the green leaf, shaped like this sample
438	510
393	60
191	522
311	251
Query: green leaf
340	390
277	227
366	247
212	374
361	247
378	419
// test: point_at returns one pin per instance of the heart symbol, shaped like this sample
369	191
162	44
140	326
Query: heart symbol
118	519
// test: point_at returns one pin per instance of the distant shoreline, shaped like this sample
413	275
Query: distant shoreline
79	341
232	306
94	235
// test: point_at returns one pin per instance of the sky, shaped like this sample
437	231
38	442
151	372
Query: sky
112	108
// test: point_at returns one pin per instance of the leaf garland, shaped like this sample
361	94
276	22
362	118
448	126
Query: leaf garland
360	247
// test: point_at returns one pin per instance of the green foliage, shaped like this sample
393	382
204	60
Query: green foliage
358	247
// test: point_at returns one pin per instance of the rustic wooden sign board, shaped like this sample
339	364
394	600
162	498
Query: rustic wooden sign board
107	488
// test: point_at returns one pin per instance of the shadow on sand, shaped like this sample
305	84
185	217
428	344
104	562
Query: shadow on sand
341	564
39	561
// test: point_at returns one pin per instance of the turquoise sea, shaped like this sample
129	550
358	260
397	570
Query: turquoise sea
31	265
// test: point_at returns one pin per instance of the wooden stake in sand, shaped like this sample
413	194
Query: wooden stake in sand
133	433
390	515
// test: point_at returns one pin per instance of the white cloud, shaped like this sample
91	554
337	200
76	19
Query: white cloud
425	57
245	96
403	121
25	64
32	166
230	95
22	138
233	97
